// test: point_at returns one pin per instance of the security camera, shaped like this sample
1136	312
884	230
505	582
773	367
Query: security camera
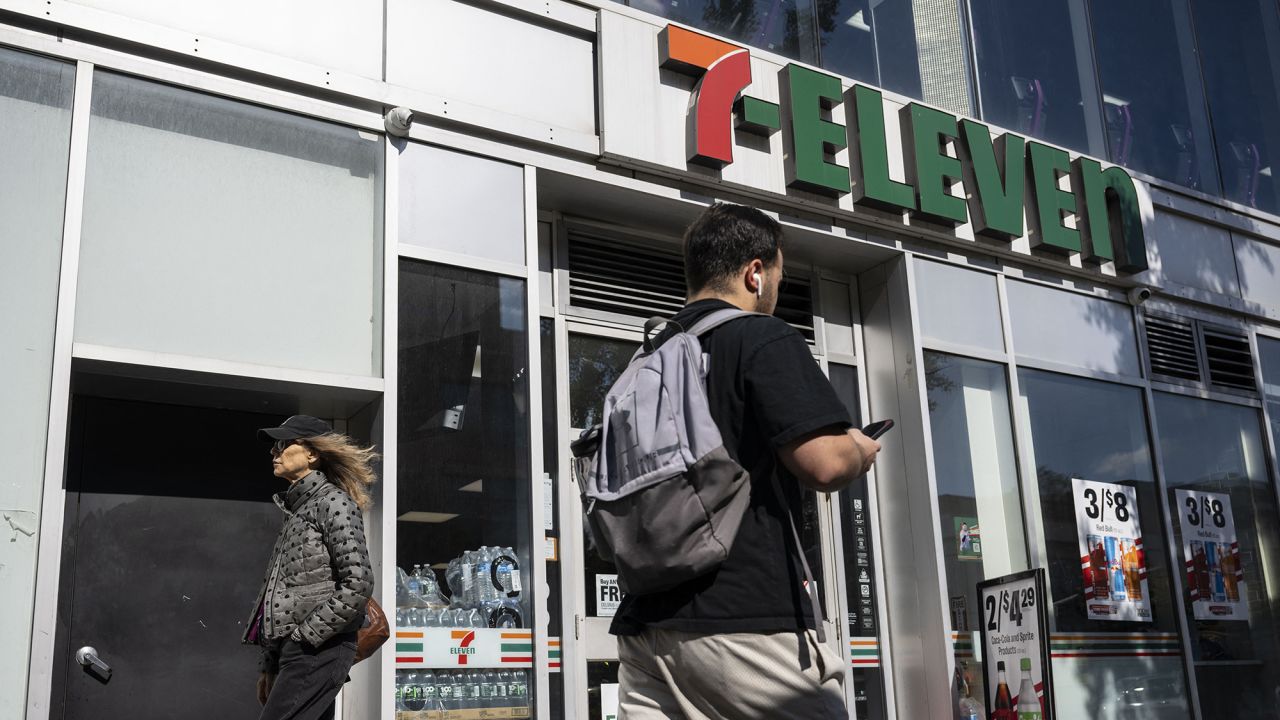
398	120
1139	295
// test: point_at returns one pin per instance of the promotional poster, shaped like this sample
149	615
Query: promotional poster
1112	560
1215	575
1015	647
968	539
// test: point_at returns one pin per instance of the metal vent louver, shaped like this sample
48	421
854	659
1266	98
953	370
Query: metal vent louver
612	275
1229	360
1171	348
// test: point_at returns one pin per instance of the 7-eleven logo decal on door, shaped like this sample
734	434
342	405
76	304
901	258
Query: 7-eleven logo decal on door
463	649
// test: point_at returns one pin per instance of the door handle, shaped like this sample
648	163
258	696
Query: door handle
92	664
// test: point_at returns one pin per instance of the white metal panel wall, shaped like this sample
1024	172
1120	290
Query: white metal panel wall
342	34
483	58
1192	253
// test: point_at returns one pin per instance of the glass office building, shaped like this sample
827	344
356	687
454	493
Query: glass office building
1043	237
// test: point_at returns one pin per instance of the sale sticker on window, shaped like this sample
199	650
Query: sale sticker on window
1215	576
1112	559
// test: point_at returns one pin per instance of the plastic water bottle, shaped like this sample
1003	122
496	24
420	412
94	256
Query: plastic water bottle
520	689
402	617
468	578
488	691
498	689
509	573
401	683
415	581
475	680
445	690
411	694
427	690
483	584
453	578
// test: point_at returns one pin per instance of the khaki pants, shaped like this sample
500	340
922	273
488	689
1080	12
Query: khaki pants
729	676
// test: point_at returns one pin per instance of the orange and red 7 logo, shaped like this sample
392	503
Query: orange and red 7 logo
724	70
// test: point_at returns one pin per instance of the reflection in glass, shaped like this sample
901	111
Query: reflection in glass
1097	431
1028	75
978	499
1216	447
463	448
872	41
595	363
859	570
35	139
1238	55
1152	98
781	26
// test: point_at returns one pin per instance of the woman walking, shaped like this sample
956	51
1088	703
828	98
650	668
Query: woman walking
319	579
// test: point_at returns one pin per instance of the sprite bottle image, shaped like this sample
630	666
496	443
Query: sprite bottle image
1028	701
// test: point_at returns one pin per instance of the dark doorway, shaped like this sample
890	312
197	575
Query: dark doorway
169	527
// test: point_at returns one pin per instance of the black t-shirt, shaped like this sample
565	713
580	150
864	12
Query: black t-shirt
765	390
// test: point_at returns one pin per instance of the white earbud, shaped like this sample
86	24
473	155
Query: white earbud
759	285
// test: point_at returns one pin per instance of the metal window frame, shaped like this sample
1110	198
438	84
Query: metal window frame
49	538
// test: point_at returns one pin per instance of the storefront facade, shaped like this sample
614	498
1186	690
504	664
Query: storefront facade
1057	269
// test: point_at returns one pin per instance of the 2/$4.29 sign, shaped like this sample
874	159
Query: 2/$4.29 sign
1000	174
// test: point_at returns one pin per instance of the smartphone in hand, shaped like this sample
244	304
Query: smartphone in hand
878	428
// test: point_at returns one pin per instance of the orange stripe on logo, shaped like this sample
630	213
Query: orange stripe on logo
681	49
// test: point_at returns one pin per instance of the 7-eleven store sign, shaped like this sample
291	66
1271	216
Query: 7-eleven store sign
463	647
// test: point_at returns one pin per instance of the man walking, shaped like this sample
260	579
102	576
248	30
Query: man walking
740	643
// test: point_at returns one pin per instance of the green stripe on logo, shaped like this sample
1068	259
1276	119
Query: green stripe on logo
408	647
517	647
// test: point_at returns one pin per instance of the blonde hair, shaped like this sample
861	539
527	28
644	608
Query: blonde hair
347	464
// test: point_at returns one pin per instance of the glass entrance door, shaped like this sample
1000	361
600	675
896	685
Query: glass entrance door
594	364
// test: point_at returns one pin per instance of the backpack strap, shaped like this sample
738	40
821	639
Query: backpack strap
804	562
718	318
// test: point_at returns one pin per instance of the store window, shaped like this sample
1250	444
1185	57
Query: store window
871	41
219	229
595	363
35	134
1238	54
1269	356
1152	98
1227	528
464	515
979	504
1115	646
1029	60
785	27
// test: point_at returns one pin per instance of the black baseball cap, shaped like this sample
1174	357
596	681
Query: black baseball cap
298	426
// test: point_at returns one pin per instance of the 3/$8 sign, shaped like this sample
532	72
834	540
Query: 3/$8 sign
1003	177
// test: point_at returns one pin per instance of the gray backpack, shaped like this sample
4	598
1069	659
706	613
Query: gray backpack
663	497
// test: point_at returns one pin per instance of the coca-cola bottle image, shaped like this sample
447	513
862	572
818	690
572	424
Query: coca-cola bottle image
1003	709
1200	568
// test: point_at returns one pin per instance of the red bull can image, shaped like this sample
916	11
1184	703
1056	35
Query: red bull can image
1115	568
1099	573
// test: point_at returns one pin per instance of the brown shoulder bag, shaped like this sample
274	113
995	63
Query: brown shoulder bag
374	633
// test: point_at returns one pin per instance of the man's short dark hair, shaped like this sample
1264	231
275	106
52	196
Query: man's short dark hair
725	238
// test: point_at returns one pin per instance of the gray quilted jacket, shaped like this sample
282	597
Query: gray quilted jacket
319	577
